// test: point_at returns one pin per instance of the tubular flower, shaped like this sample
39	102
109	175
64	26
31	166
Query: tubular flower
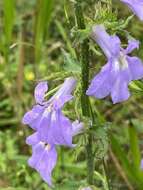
136	6
46	117
120	69
44	155
43	159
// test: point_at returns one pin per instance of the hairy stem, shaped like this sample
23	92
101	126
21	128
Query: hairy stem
84	59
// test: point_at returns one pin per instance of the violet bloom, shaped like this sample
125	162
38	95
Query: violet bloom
44	156
120	69
136	6
46	117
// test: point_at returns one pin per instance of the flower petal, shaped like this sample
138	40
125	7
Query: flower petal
102	83
136	6
39	92
63	95
56	130
61	129
31	118
109	44
65	91
132	44
120	90
77	128
67	87
44	159
136	67
44	126
32	139
59	102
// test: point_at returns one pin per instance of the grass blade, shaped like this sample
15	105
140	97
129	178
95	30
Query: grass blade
9	13
43	18
127	166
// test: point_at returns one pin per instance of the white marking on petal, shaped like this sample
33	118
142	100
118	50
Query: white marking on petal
120	63
116	65
123	61
53	116
42	143
48	147
47	111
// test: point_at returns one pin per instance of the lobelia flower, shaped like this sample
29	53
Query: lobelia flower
44	155
136	6
120	69
46	117
43	159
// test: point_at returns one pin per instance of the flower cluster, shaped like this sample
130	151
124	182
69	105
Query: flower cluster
51	127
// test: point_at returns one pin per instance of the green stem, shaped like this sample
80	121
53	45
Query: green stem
84	59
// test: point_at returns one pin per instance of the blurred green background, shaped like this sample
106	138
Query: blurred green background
38	41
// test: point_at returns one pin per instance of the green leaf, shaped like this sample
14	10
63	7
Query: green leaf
137	87
138	124
70	63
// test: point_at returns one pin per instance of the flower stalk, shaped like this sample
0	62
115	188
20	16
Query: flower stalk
85	104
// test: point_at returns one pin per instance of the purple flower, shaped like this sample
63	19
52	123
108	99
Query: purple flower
44	155
43	160
120	69
46	117
136	6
